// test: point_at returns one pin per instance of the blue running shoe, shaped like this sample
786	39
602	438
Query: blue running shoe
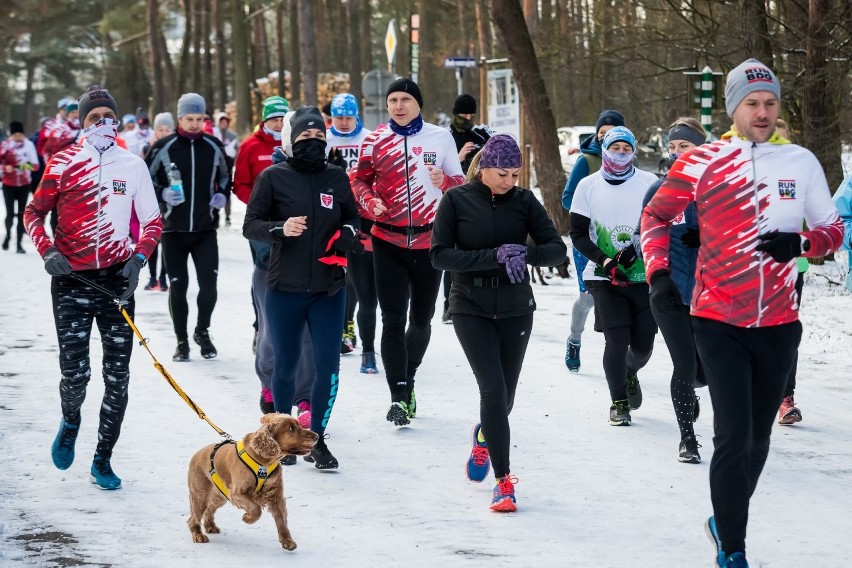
503	498
103	475
368	363
735	560
62	450
572	356
479	463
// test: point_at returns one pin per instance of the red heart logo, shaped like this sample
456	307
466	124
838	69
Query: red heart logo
417	150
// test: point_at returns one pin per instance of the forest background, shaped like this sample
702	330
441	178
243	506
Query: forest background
571	58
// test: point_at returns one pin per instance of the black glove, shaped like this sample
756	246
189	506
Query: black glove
336	158
614	273
691	238
344	241
55	264
665	297
358	244
782	247
627	256
131	272
338	245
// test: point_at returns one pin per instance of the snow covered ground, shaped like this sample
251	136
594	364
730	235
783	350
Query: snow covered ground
588	493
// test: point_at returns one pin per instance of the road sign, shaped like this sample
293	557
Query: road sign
459	62
390	43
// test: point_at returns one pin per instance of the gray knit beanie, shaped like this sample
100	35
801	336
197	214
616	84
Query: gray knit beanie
190	103
747	77
164	119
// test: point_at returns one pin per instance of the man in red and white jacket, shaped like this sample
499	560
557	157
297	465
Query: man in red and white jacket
95	186
403	170
752	190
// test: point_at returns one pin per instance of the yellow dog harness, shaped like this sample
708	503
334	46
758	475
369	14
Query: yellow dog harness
261	472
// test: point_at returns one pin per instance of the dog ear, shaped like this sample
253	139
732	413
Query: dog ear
264	443
270	418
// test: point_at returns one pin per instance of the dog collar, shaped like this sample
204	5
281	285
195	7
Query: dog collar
261	472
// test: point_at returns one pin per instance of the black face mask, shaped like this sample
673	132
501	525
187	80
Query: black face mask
308	155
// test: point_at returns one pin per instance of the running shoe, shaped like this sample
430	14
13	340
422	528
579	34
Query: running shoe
619	413
412	405
634	391
398	413
735	560
202	338
303	414
349	341
267	405
503	497
62	450
688	450
152	284
788	414
182	352
322	457
103	475
164	283
368	363
289	459
479	463
572	356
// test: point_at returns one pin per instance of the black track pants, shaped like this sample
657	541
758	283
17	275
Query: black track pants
495	349
177	248
407	288
747	370
13	196
75	307
363	278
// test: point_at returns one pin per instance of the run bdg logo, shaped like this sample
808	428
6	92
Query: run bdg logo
327	200
787	188
119	186
430	158
756	74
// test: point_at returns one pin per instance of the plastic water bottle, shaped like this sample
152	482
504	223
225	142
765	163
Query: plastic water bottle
176	184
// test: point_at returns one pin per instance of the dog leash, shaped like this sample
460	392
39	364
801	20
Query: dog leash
159	366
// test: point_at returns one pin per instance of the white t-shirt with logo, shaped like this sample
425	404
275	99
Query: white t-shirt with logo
614	211
349	146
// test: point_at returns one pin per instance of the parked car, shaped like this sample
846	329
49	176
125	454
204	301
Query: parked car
570	138
652	150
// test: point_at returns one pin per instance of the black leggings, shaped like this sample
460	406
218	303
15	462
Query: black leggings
688	373
15	196
628	327
75	307
407	288
747	370
361	275
177	248
495	349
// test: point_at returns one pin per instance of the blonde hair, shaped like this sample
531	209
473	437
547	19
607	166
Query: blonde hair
473	170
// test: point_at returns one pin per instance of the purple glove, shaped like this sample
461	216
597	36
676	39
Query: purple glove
505	252
218	200
516	268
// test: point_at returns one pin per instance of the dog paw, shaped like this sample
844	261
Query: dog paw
288	544
201	538
250	519
212	529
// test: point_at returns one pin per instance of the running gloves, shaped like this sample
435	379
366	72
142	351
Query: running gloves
514	258
55	264
665	297
782	247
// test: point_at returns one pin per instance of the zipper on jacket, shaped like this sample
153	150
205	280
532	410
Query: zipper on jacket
313	232
98	223
408	235
757	224
192	178
494	239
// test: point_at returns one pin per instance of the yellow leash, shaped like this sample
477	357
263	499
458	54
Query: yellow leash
157	365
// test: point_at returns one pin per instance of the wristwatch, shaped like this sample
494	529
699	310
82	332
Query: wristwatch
806	244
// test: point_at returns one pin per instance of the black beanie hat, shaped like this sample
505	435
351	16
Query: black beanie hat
406	85
612	117
15	127
306	117
94	97
465	104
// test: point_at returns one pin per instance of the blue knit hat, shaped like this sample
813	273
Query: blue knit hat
618	134
344	104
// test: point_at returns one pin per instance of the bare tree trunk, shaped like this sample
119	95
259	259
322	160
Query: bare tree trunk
219	41
756	30
207	79
482	43
509	19
242	86
295	57
308	52
366	35
356	69
153	14
279	43
30	119
184	62
819	113
169	90
260	47
197	26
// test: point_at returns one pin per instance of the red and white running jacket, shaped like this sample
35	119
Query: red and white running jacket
94	195
743	190
393	168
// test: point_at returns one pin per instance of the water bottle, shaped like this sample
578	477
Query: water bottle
176	184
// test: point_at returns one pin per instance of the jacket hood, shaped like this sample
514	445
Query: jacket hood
591	146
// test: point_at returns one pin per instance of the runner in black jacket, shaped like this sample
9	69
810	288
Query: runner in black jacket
305	207
479	235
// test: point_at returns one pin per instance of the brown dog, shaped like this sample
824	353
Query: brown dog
279	435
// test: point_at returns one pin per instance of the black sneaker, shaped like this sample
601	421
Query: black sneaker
634	391
688	450
288	460
182	352
6	242
20	250
619	413
398	413
202	338
322	456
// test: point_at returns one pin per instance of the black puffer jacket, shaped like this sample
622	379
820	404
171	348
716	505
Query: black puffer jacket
470	224
325	197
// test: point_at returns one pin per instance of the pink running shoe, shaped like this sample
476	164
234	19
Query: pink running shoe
267	406
304	414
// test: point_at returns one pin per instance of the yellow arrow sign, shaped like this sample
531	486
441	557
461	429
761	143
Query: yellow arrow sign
390	42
